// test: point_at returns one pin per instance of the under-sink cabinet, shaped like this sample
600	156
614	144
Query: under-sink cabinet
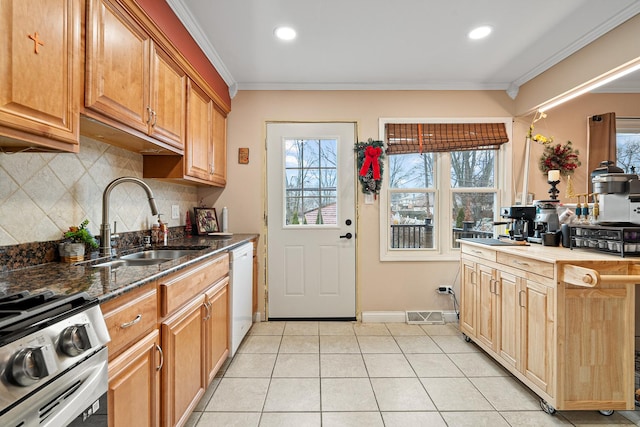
168	340
561	321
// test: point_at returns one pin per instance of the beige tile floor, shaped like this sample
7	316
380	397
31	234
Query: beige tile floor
352	374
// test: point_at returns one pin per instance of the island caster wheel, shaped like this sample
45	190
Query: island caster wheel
547	408
606	413
466	338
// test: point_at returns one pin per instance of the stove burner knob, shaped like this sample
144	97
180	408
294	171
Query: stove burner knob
28	366
74	340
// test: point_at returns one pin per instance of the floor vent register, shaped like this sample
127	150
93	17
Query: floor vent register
425	317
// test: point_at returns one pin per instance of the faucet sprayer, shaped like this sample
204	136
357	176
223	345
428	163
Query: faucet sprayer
105	229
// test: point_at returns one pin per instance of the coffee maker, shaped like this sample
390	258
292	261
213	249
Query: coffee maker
546	219
522	225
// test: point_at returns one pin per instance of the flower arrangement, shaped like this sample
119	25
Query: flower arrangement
541	139
81	234
561	157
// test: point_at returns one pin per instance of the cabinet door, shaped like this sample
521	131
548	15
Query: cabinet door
219	171
509	343
40	70
199	142
168	99
487	306
183	376
217	327
134	385
537	333
117	65
468	295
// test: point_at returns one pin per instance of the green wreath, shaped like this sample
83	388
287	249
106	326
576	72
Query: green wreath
370	165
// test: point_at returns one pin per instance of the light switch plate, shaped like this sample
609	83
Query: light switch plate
368	199
175	212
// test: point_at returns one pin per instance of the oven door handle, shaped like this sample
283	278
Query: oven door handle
161	357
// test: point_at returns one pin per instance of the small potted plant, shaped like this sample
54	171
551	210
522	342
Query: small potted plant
77	240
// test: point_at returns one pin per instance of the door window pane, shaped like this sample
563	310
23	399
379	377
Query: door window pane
311	182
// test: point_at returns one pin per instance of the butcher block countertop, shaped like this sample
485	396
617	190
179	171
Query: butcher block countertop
106	283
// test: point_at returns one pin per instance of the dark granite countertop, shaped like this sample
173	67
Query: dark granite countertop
106	283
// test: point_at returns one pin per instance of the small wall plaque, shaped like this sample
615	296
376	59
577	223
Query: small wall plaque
243	156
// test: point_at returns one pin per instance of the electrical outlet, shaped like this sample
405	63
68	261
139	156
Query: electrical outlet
175	212
445	290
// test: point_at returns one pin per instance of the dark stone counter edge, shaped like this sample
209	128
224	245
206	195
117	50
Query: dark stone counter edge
102	283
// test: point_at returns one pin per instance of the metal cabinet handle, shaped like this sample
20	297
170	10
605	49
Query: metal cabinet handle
149	114
473	277
161	357
516	262
133	322
475	251
155	118
207	306
520	299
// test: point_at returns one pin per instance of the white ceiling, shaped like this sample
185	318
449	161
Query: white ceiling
393	44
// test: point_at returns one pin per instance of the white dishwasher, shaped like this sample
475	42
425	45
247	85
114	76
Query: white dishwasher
241	294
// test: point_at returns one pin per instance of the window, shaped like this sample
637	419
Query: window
448	191
310	175
628	144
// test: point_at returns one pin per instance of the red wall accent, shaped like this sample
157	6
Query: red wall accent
169	23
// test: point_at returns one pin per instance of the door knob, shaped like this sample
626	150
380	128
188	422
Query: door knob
347	236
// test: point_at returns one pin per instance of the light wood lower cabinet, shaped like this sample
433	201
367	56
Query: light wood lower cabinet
216	327
168	341
134	384
183	374
571	344
194	311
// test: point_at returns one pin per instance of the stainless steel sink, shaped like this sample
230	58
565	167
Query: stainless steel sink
150	257
131	262
159	253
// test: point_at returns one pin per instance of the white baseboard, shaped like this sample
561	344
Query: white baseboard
399	317
257	317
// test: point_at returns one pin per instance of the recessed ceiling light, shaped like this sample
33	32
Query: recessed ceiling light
480	32
285	33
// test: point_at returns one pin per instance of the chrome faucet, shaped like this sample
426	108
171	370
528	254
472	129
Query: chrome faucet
105	229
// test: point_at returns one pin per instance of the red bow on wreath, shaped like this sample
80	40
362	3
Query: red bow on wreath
371	155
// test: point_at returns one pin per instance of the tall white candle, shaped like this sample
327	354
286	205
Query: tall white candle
554	175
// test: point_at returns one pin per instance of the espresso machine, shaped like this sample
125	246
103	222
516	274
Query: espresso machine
545	220
521	219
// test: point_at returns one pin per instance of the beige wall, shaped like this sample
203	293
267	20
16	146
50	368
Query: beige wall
380	285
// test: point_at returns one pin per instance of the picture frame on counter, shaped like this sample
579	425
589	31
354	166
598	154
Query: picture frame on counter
206	220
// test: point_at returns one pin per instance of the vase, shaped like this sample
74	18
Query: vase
71	252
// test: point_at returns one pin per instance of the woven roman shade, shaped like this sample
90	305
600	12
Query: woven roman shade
405	138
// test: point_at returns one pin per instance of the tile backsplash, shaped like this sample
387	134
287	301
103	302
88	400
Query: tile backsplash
42	194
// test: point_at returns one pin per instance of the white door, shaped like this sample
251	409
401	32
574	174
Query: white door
311	188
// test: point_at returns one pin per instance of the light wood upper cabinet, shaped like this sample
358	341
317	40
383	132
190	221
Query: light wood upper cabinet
40	74
199	148
131	80
205	151
219	172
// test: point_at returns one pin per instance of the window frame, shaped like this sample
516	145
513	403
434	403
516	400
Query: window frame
443	194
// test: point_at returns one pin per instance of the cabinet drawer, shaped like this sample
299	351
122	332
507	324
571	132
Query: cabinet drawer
479	252
178	289
531	265
130	317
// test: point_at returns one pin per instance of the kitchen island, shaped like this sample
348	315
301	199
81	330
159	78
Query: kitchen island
560	320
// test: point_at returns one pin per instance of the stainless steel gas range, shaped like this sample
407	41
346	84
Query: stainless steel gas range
53	360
